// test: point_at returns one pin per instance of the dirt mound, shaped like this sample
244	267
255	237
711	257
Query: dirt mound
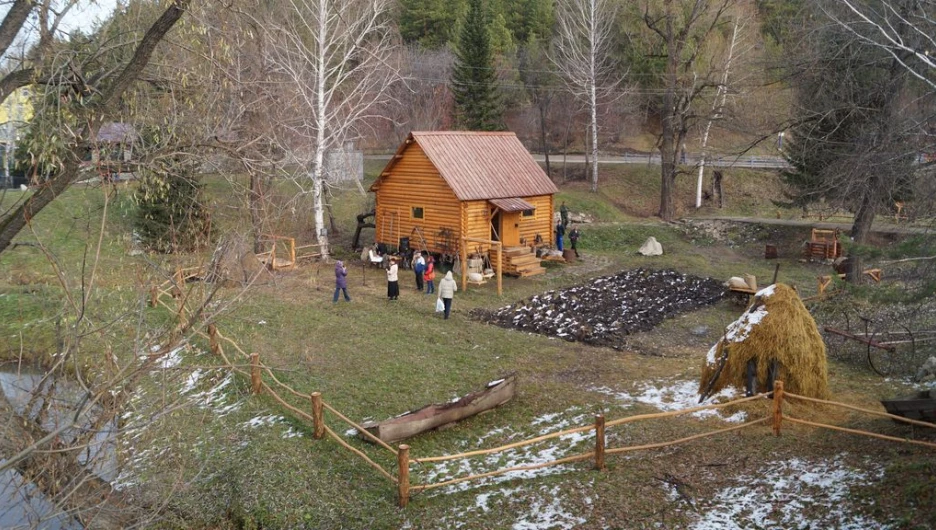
606	309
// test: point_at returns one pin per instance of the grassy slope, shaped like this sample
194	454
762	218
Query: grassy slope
373	359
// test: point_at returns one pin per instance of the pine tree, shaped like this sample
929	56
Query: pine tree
170	215
477	102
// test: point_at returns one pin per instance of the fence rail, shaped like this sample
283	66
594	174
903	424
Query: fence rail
402	454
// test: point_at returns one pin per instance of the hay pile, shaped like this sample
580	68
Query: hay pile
776	327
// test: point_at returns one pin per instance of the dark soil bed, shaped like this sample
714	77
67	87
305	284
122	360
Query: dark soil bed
607	309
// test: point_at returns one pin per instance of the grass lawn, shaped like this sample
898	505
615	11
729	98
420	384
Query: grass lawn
231	460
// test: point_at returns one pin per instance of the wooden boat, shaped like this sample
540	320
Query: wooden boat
437	415
920	406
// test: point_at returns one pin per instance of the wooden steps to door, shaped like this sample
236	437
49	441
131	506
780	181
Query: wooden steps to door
520	261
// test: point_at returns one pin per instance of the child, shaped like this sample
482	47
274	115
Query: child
429	275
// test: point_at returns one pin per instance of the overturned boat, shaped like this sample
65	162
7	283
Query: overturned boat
434	416
920	406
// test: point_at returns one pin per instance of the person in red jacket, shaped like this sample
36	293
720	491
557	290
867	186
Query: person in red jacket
429	275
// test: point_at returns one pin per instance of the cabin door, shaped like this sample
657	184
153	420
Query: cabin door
510	228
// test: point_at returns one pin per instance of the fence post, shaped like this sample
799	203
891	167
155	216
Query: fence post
777	406
318	420
154	296
403	477
177	280
255	379
599	442
213	339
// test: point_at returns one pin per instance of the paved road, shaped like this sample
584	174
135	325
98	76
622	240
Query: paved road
757	162
824	225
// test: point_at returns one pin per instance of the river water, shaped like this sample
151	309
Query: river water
22	505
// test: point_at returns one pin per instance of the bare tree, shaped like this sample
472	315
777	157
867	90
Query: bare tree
718	105
581	52
683	28
906	31
336	60
422	100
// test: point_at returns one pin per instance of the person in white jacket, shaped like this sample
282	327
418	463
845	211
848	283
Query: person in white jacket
447	288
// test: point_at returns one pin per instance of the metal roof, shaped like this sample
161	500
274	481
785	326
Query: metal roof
512	204
484	165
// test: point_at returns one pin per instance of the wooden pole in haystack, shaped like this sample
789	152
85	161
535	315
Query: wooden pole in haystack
213	339
599	442
255	380
777	406
318	419
403	478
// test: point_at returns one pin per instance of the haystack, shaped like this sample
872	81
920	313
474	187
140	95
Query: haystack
775	331
234	263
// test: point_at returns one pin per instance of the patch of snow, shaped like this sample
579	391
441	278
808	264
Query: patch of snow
668	396
766	292
262	322
540	453
792	494
739	330
261	421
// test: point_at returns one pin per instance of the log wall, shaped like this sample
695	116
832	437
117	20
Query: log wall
541	223
414	181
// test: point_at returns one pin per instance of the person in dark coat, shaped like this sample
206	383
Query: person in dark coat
341	281
564	215
560	231
573	239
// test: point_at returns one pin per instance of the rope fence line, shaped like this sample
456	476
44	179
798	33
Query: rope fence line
678	441
862	433
402	479
859	409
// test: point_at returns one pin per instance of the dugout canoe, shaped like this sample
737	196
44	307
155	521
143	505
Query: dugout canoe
433	416
919	406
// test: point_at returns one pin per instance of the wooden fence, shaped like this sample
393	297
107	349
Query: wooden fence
316	407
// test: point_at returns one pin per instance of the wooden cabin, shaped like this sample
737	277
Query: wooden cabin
442	187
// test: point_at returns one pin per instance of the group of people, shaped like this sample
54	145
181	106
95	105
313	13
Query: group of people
424	269
561	230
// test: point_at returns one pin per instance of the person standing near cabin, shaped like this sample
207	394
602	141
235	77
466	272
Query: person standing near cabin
564	215
429	275
447	288
341	281
393	280
573	239
560	231
419	267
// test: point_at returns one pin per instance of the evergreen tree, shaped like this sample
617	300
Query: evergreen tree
170	215
477	102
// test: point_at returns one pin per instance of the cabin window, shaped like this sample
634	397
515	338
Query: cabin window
418	212
529	213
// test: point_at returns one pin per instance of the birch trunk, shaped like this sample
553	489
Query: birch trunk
318	170
718	104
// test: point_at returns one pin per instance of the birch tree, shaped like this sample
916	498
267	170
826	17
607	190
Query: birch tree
718	106
336	62
682	28
581	52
